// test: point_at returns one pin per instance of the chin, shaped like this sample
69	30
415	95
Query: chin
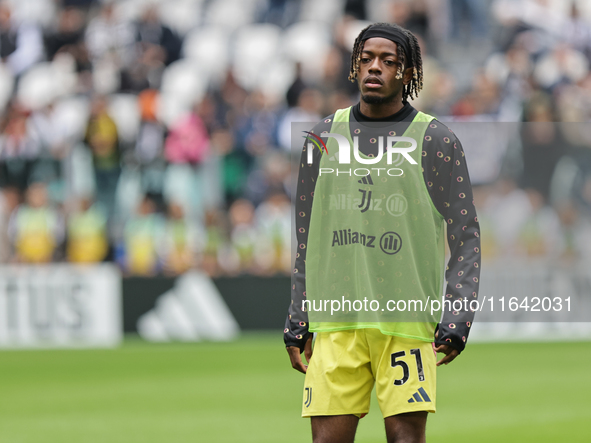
376	99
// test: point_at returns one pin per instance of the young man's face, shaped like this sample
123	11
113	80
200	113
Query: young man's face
378	69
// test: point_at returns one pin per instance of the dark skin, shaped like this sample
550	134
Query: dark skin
381	96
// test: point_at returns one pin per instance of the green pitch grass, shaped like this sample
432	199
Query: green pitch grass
246	391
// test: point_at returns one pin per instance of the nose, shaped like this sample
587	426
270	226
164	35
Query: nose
375	67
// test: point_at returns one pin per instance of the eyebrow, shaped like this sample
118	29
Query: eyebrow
383	54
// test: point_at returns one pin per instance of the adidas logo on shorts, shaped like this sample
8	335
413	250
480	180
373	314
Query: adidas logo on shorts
419	396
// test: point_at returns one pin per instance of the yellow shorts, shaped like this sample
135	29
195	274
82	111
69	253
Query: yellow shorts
345	365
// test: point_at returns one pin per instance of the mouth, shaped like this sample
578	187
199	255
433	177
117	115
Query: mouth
373	83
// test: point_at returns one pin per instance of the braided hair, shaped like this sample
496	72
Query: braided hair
416	84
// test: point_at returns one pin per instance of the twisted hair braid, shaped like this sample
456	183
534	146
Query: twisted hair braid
416	84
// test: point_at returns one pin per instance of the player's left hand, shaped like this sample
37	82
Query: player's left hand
450	353
295	357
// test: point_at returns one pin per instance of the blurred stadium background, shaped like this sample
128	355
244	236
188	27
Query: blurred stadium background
145	185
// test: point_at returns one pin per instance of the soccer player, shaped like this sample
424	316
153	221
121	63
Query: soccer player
376	234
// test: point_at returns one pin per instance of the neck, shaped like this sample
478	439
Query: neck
381	110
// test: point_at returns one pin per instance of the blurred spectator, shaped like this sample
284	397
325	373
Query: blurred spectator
273	221
562	65
540	233
543	145
138	253
281	12
293	93
150	139
243	234
257	130
188	141
152	35
180	241
576	232
9	199
21	44
215	242
307	110
149	146
508	208
103	140
356	8
68	34
36	229
471	14
271	176
19	147
109	36
87	240
577	31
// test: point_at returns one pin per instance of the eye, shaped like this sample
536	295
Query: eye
365	60
390	62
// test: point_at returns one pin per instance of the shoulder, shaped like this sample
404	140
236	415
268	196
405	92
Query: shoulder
439	136
436	129
323	125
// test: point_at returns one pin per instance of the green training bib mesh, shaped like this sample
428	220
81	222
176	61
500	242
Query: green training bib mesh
375	239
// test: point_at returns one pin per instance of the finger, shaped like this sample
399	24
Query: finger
296	359
445	360
448	358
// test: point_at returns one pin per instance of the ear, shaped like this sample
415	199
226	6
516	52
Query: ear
407	78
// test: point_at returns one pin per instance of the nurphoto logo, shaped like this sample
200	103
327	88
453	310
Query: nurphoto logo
343	156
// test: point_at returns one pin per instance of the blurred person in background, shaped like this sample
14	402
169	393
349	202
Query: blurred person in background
577	31
139	251
21	44
151	33
20	147
87	237
539	236
307	110
576	233
281	12
68	36
507	208
36	228
243	235
469	19
258	130
273	221
156	46
103	141
542	143
107	36
181	241
297	86
269	175
9	200
216	240
188	140
149	144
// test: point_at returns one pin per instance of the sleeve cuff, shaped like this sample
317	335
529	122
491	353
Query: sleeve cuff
300	343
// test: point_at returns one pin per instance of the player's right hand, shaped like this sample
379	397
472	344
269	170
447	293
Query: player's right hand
296	357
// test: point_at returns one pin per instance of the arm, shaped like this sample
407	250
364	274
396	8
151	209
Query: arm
448	182
296	336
